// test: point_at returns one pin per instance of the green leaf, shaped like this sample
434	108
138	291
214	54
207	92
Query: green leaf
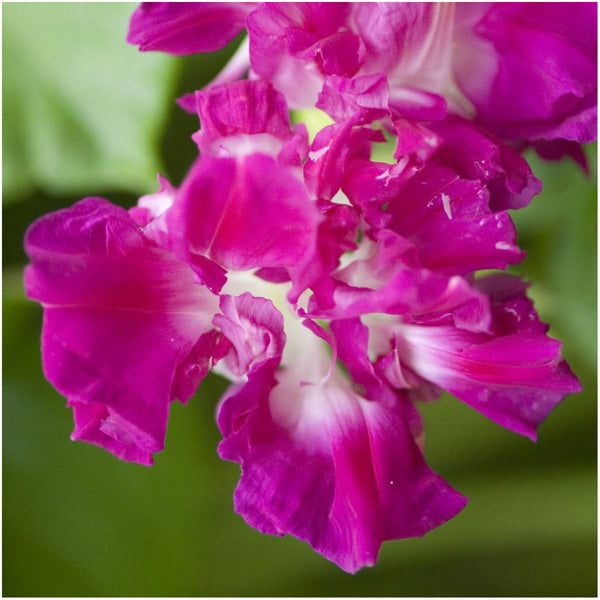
82	109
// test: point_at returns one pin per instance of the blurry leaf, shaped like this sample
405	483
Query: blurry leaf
313	118
558	232
82	109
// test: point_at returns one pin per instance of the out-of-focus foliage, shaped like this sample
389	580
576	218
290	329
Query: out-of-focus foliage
78	522
82	107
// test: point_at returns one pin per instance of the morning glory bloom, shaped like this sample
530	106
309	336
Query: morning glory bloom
465	58
334	291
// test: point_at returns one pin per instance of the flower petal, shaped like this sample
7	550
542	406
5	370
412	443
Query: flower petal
336	234
151	206
330	467
120	318
363	99
254	327
388	279
477	154
449	220
515	376
332	149
243	213
411	42
280	37
241	118
186	27
549	49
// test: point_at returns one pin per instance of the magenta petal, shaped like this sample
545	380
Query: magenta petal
411	42
397	285
447	217
281	34
230	114
238	404
186	27
416	104
558	149
254	327
363	99
449	220
549	49
515	376
512	310
370	186
295	149
243	213
336	234
477	154
120	318
330	467
95	424
415	141
120	366
398	375
209	349
338	54
422	295
188	103
151	206
332	149
273	274
352	342
515	380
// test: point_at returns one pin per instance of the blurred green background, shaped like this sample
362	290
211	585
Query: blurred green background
86	114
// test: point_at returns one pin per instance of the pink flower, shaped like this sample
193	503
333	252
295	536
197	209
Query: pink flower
435	56
277	263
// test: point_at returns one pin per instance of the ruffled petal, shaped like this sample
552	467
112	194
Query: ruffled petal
352	344
242	118
330	467
206	353
417	105
515	376
363	99
255	329
186	27
340	53
151	206
388	279
120	318
558	149
530	70
336	235
449	220
332	149
411	42
477	154
371	186
294	46
243	213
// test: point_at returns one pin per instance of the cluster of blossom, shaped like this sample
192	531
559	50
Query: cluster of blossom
336	292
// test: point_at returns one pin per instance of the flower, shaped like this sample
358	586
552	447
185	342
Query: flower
279	263
436	56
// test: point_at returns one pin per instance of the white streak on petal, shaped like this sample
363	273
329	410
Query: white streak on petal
446	205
